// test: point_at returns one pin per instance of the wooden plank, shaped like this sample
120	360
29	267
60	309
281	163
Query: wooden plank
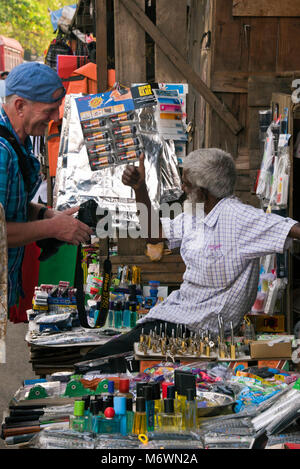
237	82
219	135
242	160
198	58
172	23
242	137
101	45
260	88
246	180
247	198
263	44
181	64
230	82
130	46
288	45
266	8
229	40
169	270
141	259
130	246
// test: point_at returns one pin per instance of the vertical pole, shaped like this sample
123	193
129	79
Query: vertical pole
101	44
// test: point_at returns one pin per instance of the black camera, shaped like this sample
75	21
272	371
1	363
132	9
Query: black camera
86	214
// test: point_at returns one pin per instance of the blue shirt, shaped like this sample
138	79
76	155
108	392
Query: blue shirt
15	199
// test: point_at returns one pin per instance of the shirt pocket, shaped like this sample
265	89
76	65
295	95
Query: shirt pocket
219	268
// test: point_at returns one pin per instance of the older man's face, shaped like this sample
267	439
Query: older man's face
194	194
37	117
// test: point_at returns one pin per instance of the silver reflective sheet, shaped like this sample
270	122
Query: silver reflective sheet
76	182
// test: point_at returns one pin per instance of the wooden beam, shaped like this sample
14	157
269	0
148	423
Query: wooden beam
181	64
130	46
288	8
101	44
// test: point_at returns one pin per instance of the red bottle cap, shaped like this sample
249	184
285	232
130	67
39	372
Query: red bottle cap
109	412
164	387
124	385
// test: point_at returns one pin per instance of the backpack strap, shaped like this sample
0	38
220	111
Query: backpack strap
5	133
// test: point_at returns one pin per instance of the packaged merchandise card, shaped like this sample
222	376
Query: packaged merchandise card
110	125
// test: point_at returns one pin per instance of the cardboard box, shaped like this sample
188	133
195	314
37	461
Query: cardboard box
267	323
270	349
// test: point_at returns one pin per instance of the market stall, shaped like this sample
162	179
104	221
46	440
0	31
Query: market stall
177	389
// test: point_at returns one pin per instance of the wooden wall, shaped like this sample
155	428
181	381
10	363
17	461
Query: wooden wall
242	51
254	53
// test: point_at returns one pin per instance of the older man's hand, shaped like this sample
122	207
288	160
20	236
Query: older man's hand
134	176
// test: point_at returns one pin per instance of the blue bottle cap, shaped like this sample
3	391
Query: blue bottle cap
120	405
111	387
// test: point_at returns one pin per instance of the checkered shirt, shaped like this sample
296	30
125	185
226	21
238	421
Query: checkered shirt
15	199
222	254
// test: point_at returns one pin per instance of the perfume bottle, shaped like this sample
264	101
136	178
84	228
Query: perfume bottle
158	407
120	410
78	421
118	316
87	413
126	315
110	422
132	314
94	416
110	316
129	415
171	394
190	415
183	380
169	421
164	388
140	419
99	399
139	388
107	401
150	414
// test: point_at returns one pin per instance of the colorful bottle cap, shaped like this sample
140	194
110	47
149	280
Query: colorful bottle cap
109	413
164	387
124	385
79	408
120	405
111	387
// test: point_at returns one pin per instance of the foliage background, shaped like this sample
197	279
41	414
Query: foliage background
29	22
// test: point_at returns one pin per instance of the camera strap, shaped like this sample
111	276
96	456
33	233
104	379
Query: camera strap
103	305
106	280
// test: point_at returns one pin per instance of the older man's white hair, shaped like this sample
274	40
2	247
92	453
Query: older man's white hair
212	169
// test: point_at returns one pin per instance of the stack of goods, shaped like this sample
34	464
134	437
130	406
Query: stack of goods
200	405
54	308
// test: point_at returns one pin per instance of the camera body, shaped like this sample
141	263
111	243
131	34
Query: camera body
86	214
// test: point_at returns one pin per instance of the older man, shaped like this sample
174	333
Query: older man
33	93
221	249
